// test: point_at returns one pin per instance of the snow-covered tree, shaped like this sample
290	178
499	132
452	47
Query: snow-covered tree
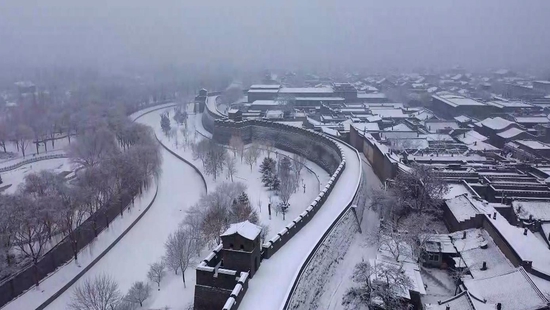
269	173
165	123
180	115
241	210
379	285
138	293
156	272
92	147
99	293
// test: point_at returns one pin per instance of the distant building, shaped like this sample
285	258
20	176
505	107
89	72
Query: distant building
454	105
542	86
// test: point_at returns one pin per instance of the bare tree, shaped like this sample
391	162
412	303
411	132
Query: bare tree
287	185
180	250
138	293
92	147
268	147
298	163
31	237
99	293
249	158
23	136
237	145
157	271
9	224
231	166
4	134
409	206
215	159
379	286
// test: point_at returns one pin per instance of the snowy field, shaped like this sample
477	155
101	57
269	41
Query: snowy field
17	176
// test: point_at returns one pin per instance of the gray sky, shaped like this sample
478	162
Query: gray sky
327	34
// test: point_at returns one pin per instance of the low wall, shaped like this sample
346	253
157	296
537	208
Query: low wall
31	160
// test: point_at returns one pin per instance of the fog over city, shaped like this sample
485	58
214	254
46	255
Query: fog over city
398	34
275	154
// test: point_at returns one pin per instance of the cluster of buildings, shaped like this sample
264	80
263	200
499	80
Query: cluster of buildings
486	135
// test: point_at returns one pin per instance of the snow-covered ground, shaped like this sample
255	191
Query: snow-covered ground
17	176
271	284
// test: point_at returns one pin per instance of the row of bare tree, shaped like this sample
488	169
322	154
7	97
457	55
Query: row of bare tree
115	160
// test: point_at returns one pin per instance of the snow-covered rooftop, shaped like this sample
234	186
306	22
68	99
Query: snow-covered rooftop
496	123
245	229
509	104
514	290
494	259
455	101
532	119
366	126
371	96
389	113
462	207
471	137
533	144
510	133
265	86
540	210
304	90
462	119
463	301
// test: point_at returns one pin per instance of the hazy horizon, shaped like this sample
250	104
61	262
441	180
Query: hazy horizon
246	34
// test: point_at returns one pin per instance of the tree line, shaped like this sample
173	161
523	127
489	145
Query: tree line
114	159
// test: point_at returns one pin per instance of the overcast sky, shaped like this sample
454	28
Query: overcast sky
400	34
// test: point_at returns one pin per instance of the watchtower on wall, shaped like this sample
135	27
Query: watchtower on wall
222	278
241	247
201	99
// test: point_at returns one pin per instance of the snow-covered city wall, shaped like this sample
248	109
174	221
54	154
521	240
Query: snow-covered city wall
322	263
327	254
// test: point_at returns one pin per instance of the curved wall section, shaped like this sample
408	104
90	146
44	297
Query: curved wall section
313	146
